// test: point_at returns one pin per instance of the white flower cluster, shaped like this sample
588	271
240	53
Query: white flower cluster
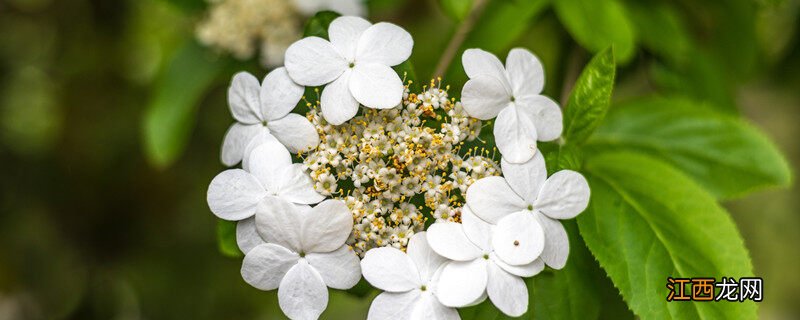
241	27
393	167
385	170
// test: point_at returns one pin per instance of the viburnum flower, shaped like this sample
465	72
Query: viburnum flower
304	253
235	194
526	196
410	282
512	94
487	260
355	64
266	109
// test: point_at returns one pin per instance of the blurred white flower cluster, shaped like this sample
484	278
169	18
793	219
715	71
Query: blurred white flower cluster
391	165
243	27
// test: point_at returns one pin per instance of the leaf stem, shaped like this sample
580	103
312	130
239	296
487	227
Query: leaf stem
458	38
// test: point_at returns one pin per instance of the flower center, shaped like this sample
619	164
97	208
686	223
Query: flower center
352	65
530	207
264	123
486	256
302	254
513	99
516	242
423	288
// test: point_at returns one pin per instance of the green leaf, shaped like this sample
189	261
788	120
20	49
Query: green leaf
456	9
595	25
701	77
188	5
648	221
660	29
590	98
318	25
724	154
572	292
169	117
226	239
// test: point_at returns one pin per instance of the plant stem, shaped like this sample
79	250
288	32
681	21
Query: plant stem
458	38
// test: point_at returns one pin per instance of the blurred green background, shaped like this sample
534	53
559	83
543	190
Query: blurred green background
95	224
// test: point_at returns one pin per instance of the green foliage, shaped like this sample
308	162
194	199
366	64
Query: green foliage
590	98
660	29
502	22
169	117
648	221
456	9
318	25
226	239
406	72
595	25
188	5
722	153
701	77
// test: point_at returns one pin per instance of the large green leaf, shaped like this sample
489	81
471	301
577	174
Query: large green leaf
590	98
595	25
169	117
660	29
724	154
648	221
701	76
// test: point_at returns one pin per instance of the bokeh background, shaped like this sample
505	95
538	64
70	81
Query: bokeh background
93	227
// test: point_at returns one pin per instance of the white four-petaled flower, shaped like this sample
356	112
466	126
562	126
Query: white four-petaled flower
304	253
265	109
512	94
487	260
235	194
410	282
355	64
526	196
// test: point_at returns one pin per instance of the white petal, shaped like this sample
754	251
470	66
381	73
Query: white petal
478	232
479	63
302	293
425	259
280	222
295	132
247	236
393	306
525	270
279	94
518	238
484	97
314	61
376	86
340	269
390	269
263	136
491	198
297	186
243	98
526	178
268	163
428	307
525	72
564	195
556	242
327	226
265	265
337	103
234	194
236	140
344	33
449	240
545	115
462	282
515	135
507	292
384	43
